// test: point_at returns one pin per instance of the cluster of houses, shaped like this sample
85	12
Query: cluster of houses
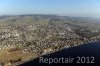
39	38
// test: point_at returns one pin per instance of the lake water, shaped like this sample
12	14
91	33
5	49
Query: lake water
87	51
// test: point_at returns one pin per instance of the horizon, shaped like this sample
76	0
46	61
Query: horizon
52	14
77	8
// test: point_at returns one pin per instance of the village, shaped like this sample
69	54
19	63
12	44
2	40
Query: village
38	40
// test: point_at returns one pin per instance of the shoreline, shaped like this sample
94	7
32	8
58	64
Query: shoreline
22	62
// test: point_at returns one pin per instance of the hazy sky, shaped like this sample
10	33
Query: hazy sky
60	7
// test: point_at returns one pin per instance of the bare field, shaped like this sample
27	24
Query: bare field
15	56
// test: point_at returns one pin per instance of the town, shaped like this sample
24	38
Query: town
27	37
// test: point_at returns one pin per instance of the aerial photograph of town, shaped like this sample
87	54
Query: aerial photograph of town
49	32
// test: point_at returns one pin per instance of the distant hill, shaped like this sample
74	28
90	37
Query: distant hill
44	18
